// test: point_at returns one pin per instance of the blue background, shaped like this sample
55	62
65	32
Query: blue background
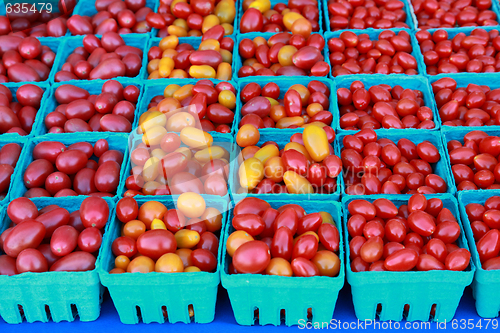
224	320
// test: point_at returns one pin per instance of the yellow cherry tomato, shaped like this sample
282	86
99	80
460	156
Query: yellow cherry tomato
209	154
150	169
191	269
251	172
259	41
170	90
274	169
176	31
196	138
181	23
225	11
178	74
279	266
202	72
152	119
297	184
235	240
316	142
191	204
170	53
169	263
224	71
248	135
328	263
122	262
179	121
327	218
261	5
285	55
227	56
183	92
141	264
153	65
209	44
290	18
209	22
153	135
286	122
165	67
228	29
169	42
158	224
187	239
303	92
267	152
228	99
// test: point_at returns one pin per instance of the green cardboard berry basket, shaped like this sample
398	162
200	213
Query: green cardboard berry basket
486	284
420	290
56	296
271	294
144	297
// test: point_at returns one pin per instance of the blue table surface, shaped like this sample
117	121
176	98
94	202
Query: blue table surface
225	322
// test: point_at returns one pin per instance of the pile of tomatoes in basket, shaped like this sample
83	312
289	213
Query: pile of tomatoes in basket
285	241
382	106
263	107
158	239
473	105
283	54
211	60
300	17
113	110
307	164
474	163
103	58
361	14
473	53
52	238
421	235
360	54
19	116
9	155
58	170
455	13
375	165
485	224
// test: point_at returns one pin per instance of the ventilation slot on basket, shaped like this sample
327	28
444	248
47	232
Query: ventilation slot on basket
282	316
309	315
191	313
406	310
139	314
74	310
256	316
47	312
164	313
432	314
21	312
378	311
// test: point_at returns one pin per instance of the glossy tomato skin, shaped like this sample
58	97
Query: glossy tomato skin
124	246
64	240
94	212
127	209
21	209
28	234
31	260
78	261
251	257
90	240
204	259
155	243
401	261
303	267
